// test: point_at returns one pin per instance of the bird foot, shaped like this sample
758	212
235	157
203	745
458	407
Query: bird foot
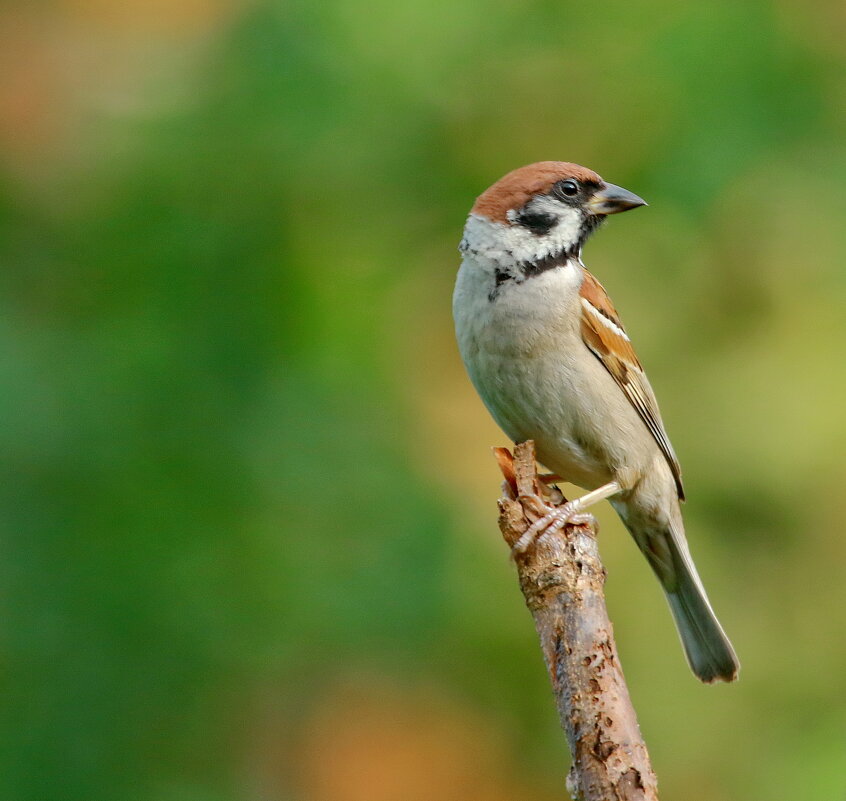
553	521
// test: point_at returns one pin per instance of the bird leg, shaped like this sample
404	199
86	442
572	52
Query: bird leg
560	516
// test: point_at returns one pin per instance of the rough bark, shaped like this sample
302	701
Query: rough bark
562	580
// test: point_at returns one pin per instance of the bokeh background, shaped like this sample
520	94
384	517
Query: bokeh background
248	503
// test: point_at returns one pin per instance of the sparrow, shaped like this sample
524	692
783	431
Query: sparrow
546	351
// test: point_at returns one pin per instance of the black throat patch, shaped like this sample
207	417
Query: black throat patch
524	270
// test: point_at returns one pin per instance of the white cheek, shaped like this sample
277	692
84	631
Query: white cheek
505	244
566	231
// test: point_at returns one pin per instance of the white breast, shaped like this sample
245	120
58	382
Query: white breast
525	355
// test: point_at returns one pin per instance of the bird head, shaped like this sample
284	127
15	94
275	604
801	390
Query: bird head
543	210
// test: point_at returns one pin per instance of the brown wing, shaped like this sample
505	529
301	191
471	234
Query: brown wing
603	333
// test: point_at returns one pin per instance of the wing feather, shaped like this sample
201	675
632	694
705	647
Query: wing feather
605	336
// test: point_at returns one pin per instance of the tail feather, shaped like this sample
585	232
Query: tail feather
709	652
706	646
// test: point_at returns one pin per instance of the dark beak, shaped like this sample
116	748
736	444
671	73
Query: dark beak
612	199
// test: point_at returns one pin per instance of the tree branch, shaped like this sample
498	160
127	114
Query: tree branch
562	580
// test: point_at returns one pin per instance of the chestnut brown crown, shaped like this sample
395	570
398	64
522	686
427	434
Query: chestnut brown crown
515	189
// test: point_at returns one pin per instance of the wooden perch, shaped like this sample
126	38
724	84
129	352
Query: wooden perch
562	580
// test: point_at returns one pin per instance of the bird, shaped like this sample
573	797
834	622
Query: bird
546	351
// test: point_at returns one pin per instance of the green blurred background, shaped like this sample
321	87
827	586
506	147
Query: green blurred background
248	505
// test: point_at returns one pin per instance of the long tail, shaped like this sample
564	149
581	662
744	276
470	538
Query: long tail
709	652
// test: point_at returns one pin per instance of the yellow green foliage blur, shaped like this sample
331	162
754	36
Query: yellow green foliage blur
248	504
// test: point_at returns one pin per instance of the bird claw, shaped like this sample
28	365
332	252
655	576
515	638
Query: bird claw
553	521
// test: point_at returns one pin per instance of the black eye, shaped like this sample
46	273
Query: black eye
569	188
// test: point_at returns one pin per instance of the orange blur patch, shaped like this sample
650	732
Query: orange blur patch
383	744
174	16
30	85
514	190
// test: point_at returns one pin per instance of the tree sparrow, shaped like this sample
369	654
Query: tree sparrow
546	351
